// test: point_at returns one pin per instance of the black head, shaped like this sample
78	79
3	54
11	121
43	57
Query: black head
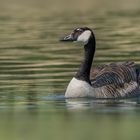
79	34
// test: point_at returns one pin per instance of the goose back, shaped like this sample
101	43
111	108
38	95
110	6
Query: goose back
115	80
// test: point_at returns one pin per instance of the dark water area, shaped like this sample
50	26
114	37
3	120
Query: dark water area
35	69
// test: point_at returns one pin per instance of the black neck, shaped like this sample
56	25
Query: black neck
84	71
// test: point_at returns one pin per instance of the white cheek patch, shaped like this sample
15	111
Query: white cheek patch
84	37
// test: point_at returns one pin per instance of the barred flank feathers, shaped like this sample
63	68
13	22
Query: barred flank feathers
116	80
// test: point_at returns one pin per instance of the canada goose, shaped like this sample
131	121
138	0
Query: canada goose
115	80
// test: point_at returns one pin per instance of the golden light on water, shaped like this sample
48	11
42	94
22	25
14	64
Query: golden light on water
35	69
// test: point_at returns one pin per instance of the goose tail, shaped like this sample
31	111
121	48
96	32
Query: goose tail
138	75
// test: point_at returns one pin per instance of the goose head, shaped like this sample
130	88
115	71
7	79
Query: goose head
82	34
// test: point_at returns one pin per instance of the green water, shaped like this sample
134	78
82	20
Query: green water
35	69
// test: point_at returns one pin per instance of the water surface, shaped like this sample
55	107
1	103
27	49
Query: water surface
35	69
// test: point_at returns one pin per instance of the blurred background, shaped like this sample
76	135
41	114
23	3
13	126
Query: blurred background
35	69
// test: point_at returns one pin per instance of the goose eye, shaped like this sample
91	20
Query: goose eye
79	30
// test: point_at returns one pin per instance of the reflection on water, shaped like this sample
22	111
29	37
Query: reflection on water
54	117
35	69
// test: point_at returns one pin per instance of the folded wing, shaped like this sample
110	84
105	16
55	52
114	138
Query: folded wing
115	80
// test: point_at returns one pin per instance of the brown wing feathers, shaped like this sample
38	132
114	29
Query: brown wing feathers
115	79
